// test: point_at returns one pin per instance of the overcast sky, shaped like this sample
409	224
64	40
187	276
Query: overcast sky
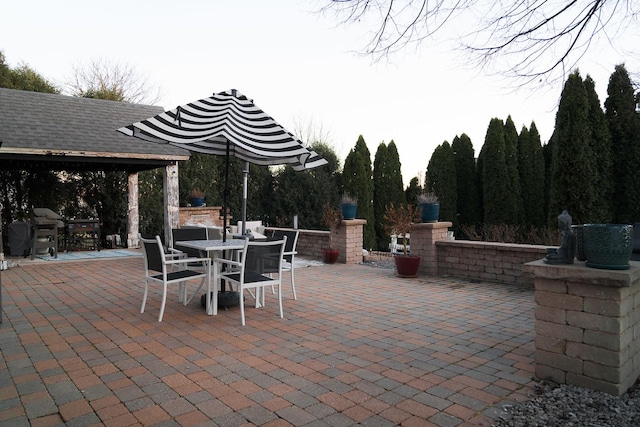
297	65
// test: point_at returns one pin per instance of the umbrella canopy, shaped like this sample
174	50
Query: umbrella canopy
227	124
227	120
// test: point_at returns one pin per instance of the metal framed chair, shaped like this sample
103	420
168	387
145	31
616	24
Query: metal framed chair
259	261
158	269
289	253
178	234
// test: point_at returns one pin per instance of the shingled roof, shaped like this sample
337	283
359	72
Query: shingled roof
57	132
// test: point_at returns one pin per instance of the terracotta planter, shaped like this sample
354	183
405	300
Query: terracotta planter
330	256
407	265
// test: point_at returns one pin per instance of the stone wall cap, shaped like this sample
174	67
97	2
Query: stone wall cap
579	272
515	247
443	224
356	221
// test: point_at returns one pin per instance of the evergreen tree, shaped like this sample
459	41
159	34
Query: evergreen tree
357	181
441	179
480	184
466	180
547	153
412	191
201	171
23	78
514	193
600	146
572	163
495	176
532	176
304	193
387	188
624	125
151	201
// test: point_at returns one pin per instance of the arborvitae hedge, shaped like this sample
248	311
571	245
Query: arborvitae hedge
466	180
624	124
358	182
441	179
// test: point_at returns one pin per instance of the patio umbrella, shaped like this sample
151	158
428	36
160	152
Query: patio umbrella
228	124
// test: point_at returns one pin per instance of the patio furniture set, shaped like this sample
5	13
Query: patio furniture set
248	264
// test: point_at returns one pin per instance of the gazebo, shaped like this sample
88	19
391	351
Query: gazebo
42	131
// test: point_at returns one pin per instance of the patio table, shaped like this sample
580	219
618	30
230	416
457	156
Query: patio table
216	247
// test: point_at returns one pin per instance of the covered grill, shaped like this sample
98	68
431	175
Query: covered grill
45	224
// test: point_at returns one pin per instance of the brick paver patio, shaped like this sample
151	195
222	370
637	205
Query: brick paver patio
358	347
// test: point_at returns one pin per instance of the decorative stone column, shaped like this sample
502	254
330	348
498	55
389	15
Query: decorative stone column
349	239
587	325
424	236
133	211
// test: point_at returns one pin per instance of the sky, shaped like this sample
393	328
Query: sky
303	68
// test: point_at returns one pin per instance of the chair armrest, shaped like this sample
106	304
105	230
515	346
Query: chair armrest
174	254
188	260
227	261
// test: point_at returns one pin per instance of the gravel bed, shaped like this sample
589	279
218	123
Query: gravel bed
570	406
386	264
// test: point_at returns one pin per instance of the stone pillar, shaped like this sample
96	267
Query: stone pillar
171	200
349	239
133	212
587	325
424	236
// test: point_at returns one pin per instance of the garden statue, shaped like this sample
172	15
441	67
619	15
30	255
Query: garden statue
567	250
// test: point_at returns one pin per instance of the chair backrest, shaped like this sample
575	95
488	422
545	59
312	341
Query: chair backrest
251	225
263	256
292	241
153	253
196	233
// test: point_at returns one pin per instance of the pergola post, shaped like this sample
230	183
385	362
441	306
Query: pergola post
133	214
172	200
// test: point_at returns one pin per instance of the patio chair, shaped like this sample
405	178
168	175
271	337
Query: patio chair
158	269
289	253
260	259
178	234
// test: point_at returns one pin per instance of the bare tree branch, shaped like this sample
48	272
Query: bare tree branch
529	39
113	81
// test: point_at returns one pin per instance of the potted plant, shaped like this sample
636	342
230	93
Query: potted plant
332	218
197	197
429	207
348	206
398	221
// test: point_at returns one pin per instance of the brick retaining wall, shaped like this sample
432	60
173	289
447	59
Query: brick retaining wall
494	262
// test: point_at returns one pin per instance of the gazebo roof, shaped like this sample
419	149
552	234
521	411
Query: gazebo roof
57	132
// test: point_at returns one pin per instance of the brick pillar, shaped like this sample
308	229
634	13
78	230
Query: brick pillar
587	325
424	236
349	239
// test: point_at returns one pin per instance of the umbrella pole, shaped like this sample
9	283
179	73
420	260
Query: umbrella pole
225	202
225	196
245	174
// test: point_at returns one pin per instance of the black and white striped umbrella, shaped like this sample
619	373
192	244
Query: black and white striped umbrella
227	124
227	120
